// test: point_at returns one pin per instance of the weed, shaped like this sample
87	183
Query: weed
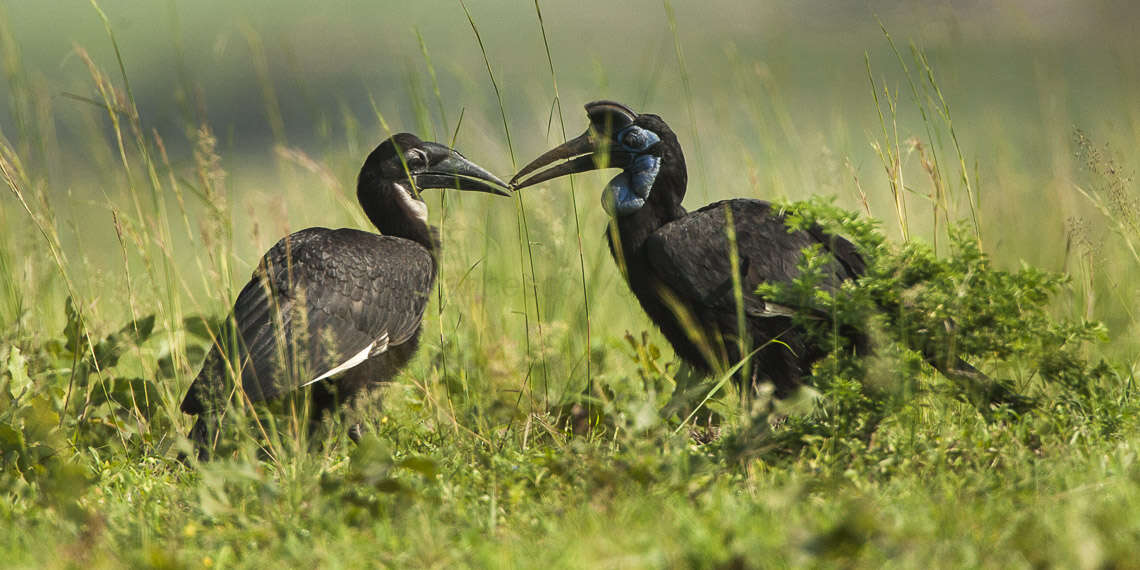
556	428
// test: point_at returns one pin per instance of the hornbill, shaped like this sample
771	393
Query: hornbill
338	310
679	266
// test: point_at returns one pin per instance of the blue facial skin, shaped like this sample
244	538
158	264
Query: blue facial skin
627	192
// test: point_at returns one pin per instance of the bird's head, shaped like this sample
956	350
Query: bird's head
643	146
399	168
408	165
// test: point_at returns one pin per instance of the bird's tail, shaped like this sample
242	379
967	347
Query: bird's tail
979	389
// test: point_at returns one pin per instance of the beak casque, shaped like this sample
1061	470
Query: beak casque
590	151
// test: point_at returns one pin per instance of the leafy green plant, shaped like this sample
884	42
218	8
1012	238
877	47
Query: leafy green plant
916	305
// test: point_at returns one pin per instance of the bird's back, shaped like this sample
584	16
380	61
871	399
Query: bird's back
693	253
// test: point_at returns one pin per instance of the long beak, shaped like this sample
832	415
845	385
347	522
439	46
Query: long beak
449	169
580	154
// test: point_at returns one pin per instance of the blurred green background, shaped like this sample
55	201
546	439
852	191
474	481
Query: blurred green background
770	99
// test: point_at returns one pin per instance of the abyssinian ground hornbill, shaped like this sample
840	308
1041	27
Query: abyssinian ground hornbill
339	310
678	263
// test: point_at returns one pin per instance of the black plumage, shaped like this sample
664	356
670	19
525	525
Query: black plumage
339	310
678	263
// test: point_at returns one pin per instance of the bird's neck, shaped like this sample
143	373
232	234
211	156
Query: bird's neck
627	234
662	206
395	213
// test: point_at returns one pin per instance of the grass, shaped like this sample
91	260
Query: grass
133	215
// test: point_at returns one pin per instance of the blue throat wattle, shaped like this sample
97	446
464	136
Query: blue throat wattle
628	191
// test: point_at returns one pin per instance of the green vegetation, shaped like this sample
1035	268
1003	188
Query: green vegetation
147	172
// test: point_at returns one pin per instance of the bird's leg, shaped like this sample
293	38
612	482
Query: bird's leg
202	435
326	399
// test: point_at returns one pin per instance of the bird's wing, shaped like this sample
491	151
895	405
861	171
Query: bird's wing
321	301
692	255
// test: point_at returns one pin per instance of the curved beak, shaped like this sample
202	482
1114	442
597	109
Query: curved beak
578	155
449	169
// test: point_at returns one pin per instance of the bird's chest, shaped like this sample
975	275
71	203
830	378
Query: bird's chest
675	316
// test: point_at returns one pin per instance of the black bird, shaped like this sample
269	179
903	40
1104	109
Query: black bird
678	263
338	310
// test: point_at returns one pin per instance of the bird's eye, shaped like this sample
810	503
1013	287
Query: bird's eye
416	159
635	139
